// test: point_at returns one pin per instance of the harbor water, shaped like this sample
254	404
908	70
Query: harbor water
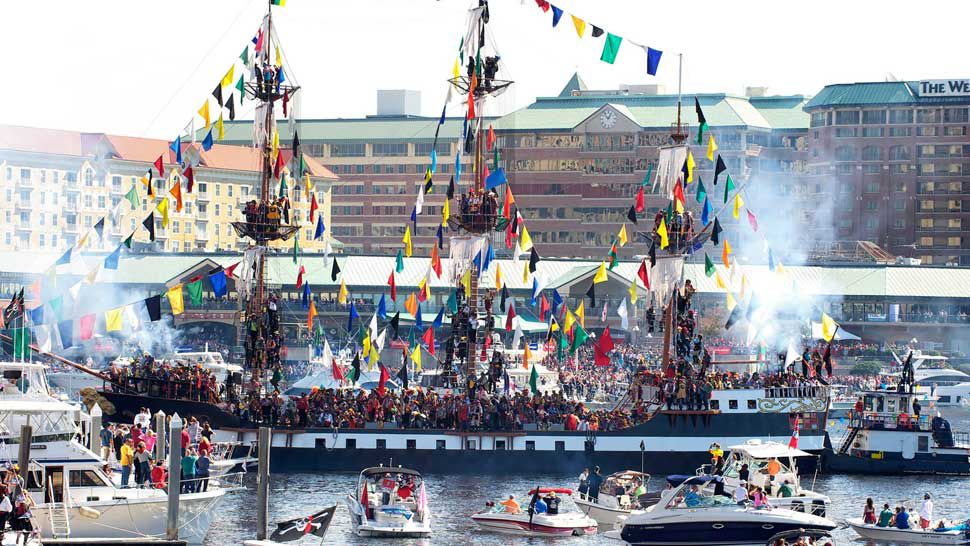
454	498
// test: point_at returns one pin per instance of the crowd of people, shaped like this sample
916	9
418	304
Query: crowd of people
15	505
900	518
168	379
265	217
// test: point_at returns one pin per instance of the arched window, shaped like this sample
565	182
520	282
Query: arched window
845	153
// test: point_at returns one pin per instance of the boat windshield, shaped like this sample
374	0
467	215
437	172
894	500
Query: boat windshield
695	496
391	487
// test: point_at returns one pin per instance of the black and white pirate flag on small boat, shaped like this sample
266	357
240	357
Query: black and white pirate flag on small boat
295	529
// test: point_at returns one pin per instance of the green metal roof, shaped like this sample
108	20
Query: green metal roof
575	83
369	129
862	94
782	112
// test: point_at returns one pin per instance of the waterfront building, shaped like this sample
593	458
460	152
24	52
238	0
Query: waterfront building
55	185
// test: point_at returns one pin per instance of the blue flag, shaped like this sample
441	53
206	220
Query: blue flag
306	295
441	238
417	319
207	141
477	261
177	148
535	289
414	219
111	262
382	308
495	179
771	261
434	160
37	315
556	15
352	316
218	280
489	256
438	320
442	120
66	258
66	329
653	60
556	301
320	228
706	215
457	165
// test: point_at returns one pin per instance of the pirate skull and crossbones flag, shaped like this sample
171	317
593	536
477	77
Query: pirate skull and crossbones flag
295	529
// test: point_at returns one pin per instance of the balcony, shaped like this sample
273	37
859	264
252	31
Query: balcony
752	150
24	205
25	182
25	226
70	228
116	189
202	215
70	206
202	196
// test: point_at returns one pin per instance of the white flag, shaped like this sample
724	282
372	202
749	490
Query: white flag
624	315
43	335
517	335
419	204
792	355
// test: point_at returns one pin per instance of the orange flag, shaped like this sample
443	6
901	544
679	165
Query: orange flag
436	260
411	304
310	314
176	192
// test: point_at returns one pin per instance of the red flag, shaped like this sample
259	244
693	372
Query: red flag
752	220
471	101
640	205
543	308
86	324
603	347
390	281
299	277
338	374
230	271
509	317
793	443
423	293
507	204
259	47
679	194
428	339
508	235
279	165
160	166
363	496
436	260
485	171
543	5
383	380
313	207
491	138
642	273
190	177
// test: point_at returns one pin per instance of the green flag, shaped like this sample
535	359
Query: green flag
195	292
613	259
283	187
495	157
399	266
57	306
701	190
132	197
411	342
611	47
579	337
128	240
452	303
21	343
563	345
241	86
355	369
296	248
646	179
534	380
244	56
728	187
708	266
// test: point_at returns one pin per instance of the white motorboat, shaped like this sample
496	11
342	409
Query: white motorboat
953	534
553	521
390	502
690	514
617	497
757	455
72	496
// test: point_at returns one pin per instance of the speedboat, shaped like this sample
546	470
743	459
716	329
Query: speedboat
950	533
690	514
617	497
390	502
72	494
757	455
551	521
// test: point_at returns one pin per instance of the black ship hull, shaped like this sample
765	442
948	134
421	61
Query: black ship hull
893	464
126	406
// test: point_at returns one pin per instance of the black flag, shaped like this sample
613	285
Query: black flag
232	108
334	271
701	120
597	31
217	93
733	317
295	529
591	294
451	188
716	232
632	214
355	368
149	224
535	495
402	375
533	260
653	254
396	323
154	306
505	296
99	227
719	168
296	150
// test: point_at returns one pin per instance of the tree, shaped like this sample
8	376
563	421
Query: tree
866	367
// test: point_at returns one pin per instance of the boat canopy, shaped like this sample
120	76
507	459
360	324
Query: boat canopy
556	490
680	479
767	450
379	470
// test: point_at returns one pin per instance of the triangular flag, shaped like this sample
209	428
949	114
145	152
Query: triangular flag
600	274
622	237
662	232
342	293
726	253
738	203
580	25
709	269
204	112
752	220
176	192
711	147
407	241
642	273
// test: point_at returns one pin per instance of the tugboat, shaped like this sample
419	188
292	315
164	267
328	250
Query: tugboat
892	436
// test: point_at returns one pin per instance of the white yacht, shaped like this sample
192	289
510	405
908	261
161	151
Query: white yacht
390	502
72	495
617	497
947	386
690	514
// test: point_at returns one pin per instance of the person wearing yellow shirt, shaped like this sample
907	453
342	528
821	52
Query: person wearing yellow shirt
127	460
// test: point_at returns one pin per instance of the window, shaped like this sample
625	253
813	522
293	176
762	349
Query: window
900	116
412	444
872	187
424	149
847	117
899	223
439	444
202	187
229	190
845	187
923	443
955	131
101	202
926	131
752	404
925	115
950	241
899	153
386	149
845	153
846	132
471	444
88	177
381	443
900	131
872	153
320	443
732	404
873	117
218	187
560	446
818	120
350	443
530	445
41	238
899	205
85	478
353	149
873	132
870	168
955	115
499	445
715	404
844	169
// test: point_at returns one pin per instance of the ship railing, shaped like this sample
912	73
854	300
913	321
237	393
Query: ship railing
961	439
802	391
890	421
163	388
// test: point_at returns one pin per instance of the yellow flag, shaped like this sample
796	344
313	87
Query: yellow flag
204	112
570	320
162	207
731	303
93	275
365	345
554	327
580	25
725	253
738	203
407	241
416	358
600	274
662	232
828	327
711	147
581	313
526	355
342	294
525	241
690	166
80	244
525	272
445	213
622	236
498	277
220	129
279	59
307	186
466	282
719	281
633	291
276	145
744	285
227	80
112	319
174	295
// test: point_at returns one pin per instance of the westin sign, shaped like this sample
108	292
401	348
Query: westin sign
944	88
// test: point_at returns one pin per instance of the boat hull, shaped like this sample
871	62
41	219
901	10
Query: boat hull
363	527
708	533
605	516
126	406
894	464
540	526
906	536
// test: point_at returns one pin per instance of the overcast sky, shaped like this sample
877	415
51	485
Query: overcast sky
142	67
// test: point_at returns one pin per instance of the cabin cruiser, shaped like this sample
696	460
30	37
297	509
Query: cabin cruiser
757	456
934	377
619	494
947	533
390	502
891	437
547	519
691	514
72	494
842	402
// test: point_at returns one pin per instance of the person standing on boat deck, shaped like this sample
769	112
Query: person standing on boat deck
595	481
916	408
126	460
926	512
584	482
744	474
143	418
202	471
6	507
117	441
142	471
106	435
885	517
188	471
869	513
195	431
774	467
